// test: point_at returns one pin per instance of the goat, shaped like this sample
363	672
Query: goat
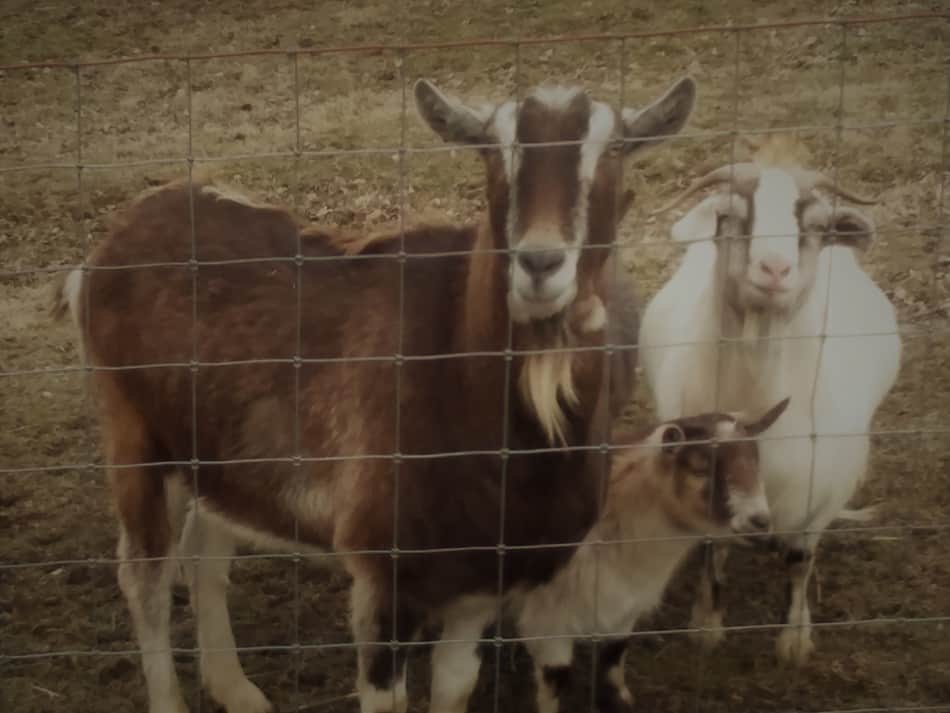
690	477
772	271
313	387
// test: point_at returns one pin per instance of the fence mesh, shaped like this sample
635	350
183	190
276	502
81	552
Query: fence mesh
911	432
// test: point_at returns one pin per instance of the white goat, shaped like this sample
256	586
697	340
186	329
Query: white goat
778	304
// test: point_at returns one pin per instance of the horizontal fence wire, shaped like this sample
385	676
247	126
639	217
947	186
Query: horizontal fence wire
299	551
191	160
402	48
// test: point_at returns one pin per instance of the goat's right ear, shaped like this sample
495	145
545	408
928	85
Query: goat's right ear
767	419
450	119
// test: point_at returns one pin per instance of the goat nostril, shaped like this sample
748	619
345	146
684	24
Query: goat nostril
775	268
541	262
760	522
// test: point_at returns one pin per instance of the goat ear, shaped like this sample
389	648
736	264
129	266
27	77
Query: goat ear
450	119
767	419
643	128
851	227
699	223
672	437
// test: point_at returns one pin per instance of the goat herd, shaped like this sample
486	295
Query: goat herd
429	408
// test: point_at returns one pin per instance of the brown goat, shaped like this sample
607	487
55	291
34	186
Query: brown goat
305	390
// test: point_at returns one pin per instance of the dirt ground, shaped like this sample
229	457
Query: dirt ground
65	641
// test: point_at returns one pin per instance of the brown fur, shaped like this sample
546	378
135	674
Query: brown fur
319	387
247	311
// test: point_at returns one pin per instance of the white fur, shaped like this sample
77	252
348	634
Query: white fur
207	576
556	97
615	576
147	589
455	661
227	193
835	383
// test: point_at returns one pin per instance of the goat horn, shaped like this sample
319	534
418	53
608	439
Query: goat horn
814	179
740	175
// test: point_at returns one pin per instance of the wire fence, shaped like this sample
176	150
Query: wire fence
301	458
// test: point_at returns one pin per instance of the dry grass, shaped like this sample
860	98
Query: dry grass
895	74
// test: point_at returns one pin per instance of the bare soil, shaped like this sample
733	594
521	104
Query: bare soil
66	644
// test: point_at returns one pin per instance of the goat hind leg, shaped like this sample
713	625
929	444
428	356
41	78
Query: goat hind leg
552	667
207	576
145	573
707	613
612	693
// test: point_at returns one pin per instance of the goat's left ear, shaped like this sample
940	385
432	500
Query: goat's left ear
450	119
643	128
851	227
672	437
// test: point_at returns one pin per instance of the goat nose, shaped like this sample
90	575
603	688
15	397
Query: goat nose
540	263
760	522
775	267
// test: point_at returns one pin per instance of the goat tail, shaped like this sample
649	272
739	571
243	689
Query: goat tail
65	300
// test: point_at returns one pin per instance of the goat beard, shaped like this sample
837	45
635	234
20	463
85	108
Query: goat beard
546	379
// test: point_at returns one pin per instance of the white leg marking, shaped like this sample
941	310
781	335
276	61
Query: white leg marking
549	654
616	678
364	623
455	664
207	579
794	644
707	613
147	589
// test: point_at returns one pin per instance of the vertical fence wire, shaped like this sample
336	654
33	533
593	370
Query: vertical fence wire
298	356
503	454
709	569
195	361
398	361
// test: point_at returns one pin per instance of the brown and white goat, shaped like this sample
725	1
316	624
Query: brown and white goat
668	488
308	391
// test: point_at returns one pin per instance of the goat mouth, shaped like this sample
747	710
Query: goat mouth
756	539
530	305
770	290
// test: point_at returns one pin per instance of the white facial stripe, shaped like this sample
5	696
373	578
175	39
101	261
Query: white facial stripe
555	97
600	127
776	226
505	125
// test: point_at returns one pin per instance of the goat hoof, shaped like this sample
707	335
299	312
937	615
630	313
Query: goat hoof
794	646
245	697
710	633
617	701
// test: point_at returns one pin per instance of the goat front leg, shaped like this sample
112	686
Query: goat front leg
381	669
612	693
794	644
552	670
207	578
455	661
707	614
